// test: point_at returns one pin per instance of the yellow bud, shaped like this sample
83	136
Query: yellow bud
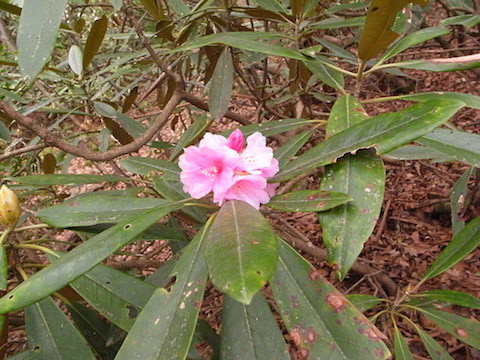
9	207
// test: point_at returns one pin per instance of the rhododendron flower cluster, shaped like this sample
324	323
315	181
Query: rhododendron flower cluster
229	169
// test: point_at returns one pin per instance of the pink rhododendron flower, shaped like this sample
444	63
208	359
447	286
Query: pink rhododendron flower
223	166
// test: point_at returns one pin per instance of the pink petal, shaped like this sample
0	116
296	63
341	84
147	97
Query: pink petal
256	155
235	141
250	189
213	141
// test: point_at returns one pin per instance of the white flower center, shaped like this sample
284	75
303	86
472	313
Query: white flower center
210	172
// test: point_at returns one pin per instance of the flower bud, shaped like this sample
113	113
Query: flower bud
9	207
235	141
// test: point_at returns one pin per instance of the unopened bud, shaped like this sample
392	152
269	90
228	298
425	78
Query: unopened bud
9	207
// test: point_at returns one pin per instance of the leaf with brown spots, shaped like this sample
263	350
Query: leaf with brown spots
308	201
321	321
463	329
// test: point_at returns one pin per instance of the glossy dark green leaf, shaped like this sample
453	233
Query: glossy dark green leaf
51	335
199	126
3	268
459	145
37	31
308	200
91	209
337	22
322	322
161	276
62	179
94	40
402	352
465	330
93	329
362	177
143	166
450	297
251	331
460	246
416	152
291	147
363	302
116	295
221	86
248	249
434	349
471	101
384	132
459	200
165	327
272	127
83	258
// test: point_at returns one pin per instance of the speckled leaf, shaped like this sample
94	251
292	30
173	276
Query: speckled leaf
435	350
322	323
94	40
402	352
116	295
362	177
250	331
241	251
291	147
459	200
308	200
51	335
37	31
460	246
221	86
81	259
465	330
459	145
384	132
377	34
165	327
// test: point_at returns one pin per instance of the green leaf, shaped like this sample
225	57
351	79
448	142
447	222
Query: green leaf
83	258
464	20
62	179
272	127
272	5
434	349
450	297
323	324
363	302
198	128
165	327
308	201
459	199
248	249
94	40
336	23
460	246
250	331
377	34
347	227
132	127
143	166
116	295
117	4
459	63
412	39
385	132
75	59
459	145
37	31
221	86
173	190
91	209
465	330
291	147
415	152
328	75
3	269
402	352
471	101
51	335
94	329
4	132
